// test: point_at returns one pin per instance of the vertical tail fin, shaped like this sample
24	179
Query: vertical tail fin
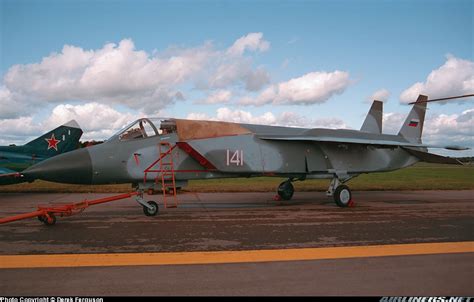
412	128
63	139
373	121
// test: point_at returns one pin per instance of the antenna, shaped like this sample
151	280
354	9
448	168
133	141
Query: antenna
442	99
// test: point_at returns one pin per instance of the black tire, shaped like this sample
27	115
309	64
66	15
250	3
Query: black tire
343	196
151	212
286	190
170	190
51	221
42	218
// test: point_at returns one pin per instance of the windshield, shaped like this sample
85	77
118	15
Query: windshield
146	127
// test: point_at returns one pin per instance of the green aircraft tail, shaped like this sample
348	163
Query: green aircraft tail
63	139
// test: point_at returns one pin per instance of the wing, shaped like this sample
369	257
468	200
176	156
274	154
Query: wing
383	141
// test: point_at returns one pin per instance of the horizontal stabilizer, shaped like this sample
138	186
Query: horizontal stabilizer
433	158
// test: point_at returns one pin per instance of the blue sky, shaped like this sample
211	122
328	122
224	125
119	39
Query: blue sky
387	45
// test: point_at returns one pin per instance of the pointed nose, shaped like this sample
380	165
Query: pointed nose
73	167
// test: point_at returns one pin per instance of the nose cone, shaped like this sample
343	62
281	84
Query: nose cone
73	167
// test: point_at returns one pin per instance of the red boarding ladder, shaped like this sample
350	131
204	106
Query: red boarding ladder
166	173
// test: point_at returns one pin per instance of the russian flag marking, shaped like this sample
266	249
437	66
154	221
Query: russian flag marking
414	123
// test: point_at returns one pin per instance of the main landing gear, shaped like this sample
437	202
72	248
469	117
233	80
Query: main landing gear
285	190
341	193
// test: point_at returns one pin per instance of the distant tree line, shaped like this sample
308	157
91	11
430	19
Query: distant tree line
466	160
86	144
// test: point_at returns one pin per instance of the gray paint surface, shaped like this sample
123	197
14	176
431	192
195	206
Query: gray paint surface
258	150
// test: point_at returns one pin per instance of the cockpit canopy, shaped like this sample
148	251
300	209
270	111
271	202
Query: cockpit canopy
146	127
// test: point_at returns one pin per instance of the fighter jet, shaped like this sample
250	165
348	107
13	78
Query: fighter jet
14	159
163	153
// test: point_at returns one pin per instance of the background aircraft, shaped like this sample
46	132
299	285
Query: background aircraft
14	159
165	153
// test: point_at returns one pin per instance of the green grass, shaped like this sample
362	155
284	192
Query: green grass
419	177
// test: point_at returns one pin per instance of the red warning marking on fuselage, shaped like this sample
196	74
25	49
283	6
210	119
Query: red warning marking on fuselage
137	160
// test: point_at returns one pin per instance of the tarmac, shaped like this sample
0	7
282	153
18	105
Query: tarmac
409	243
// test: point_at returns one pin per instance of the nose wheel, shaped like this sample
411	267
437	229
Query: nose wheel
152	208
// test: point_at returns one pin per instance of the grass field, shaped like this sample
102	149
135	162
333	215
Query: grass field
419	177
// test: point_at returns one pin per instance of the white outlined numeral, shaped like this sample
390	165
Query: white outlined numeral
237	158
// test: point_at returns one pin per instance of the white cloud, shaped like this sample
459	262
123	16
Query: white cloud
98	121
290	119
392	122
237	71
380	95
330	122
19	129
217	97
439	129
457	129
115	74
240	116
454	77
255	79
252	41
121	74
311	88
198	116
231	68
11	106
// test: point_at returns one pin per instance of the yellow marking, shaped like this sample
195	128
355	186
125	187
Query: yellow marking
135	259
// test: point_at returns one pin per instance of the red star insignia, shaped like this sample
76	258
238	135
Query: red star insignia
52	142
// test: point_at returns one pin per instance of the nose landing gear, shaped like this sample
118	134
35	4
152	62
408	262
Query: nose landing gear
150	208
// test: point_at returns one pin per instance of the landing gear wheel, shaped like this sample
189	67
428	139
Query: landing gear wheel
51	220
343	196
153	211
286	190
